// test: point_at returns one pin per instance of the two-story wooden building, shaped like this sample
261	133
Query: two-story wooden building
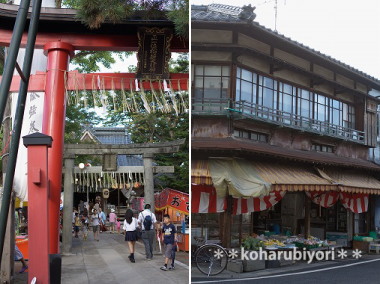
280	133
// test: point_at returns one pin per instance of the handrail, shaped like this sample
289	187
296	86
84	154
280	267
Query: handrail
275	116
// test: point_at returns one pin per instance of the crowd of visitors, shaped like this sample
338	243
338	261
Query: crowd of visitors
144	226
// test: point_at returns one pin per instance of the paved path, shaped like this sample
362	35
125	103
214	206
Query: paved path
107	261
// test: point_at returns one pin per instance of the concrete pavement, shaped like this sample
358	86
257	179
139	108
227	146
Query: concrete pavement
107	261
301	272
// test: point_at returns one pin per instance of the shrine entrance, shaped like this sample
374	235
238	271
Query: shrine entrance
119	177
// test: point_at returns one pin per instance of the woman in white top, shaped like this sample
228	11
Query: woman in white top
130	227
95	224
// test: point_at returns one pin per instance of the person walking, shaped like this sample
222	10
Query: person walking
84	225
147	220
95	220
130	227
118	226
103	219
20	257
77	224
169	238
112	219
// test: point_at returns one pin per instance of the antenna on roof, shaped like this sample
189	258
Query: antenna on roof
275	15
275	10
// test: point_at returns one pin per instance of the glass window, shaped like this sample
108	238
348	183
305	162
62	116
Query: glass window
287	88
287	103
199	70
211	82
255	136
268	99
322	148
246	75
213	70
261	91
268	82
226	71
335	113
246	91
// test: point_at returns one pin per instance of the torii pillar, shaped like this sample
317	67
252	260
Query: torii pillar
148	180
58	54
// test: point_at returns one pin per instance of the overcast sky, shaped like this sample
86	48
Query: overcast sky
347	30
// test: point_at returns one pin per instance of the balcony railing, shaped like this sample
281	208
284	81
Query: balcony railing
211	106
274	116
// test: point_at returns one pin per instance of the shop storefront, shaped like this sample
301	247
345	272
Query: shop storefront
244	198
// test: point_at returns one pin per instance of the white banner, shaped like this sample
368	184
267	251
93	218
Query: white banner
32	123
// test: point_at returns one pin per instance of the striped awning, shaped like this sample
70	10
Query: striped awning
351	181
205	200
292	177
281	176
256	204
200	172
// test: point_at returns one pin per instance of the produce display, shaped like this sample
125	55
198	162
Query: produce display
252	243
272	242
280	242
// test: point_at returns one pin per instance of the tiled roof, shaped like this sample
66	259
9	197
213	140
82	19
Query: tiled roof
116	135
232	14
111	135
221	13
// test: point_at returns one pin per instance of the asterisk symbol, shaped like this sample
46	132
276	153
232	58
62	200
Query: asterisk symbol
357	254
342	253
233	254
218	254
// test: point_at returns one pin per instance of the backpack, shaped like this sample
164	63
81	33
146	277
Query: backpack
147	222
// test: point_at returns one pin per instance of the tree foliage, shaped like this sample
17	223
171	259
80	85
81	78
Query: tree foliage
90	61
76	119
94	13
180	65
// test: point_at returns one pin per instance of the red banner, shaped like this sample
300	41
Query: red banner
172	198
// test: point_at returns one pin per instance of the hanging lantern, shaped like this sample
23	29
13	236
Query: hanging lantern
106	193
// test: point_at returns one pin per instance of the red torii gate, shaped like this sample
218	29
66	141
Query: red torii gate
59	48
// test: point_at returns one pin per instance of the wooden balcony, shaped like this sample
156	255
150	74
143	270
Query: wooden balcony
243	109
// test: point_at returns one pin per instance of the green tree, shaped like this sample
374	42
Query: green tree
76	119
180	65
94	13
